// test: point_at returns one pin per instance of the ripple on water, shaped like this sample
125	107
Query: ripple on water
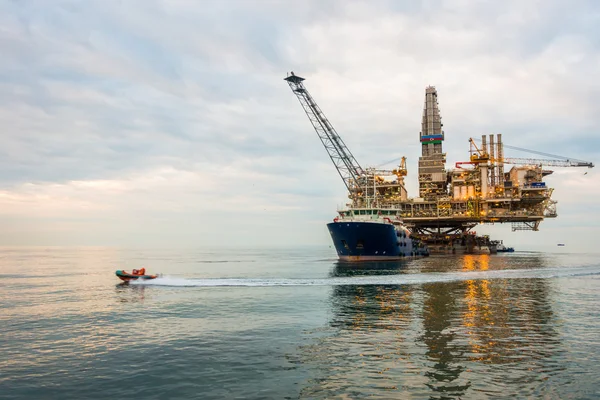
270	325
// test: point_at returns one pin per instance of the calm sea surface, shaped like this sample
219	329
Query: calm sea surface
275	324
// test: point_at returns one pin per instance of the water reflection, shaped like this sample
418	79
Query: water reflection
127	293
443	339
440	305
343	269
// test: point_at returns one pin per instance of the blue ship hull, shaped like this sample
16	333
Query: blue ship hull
365	241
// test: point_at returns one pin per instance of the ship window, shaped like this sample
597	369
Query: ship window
360	244
355	212
345	244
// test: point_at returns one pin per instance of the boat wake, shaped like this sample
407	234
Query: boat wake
401	279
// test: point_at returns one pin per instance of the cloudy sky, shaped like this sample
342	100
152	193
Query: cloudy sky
168	123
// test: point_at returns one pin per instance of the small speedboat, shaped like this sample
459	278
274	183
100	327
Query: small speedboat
134	275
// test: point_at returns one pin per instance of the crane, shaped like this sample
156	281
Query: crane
345	163
558	161
549	163
401	171
477	155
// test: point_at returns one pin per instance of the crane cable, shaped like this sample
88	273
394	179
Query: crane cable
541	153
388	162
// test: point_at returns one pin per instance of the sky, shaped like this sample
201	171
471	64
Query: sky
168	123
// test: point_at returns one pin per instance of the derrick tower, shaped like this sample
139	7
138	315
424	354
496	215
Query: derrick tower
432	174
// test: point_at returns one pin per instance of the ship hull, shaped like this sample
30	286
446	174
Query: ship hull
369	241
369	258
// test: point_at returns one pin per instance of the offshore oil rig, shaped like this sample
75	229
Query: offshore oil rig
451	202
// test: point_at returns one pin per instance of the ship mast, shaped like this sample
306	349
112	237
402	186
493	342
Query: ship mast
340	155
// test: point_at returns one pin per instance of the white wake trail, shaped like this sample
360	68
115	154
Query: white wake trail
400	279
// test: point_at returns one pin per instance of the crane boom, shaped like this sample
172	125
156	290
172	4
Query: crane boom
558	161
550	163
340	155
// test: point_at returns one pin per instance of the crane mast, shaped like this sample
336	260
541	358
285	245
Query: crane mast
340	155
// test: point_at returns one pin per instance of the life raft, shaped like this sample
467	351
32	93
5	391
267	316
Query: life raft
134	275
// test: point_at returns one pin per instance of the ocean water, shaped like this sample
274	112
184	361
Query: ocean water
295	323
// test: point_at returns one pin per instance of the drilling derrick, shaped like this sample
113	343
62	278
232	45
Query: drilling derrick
432	175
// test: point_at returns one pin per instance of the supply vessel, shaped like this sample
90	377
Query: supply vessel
380	221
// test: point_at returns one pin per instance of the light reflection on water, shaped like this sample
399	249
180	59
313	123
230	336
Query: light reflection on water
442	339
68	329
